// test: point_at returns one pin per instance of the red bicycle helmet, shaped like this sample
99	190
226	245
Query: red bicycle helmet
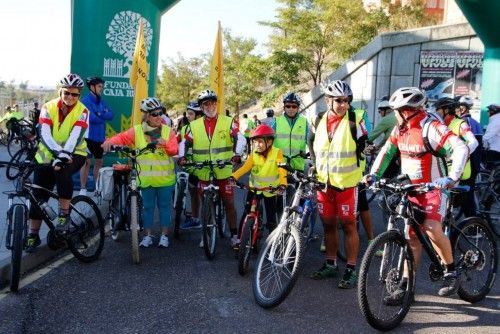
262	131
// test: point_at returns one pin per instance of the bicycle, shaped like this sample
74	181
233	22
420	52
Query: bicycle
20	133
380	277
488	198
133	221
180	196
250	227
280	260
26	153
84	237
212	211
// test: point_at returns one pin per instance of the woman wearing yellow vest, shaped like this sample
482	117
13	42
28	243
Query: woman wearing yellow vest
63	122
264	172
156	170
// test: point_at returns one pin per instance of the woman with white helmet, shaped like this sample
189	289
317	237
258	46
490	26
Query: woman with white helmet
63	123
156	169
421	165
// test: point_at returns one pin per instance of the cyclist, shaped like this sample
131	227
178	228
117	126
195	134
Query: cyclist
269	120
337	164
63	122
264	171
492	135
156	169
34	117
247	125
11	119
417	161
212	138
445	107
99	113
193	112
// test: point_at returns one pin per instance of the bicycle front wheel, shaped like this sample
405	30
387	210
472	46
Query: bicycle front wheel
87	240
209	227
383	298
278	266
18	217
475	254
245	246
134	227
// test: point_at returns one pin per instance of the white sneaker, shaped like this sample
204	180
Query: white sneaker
163	242
201	243
83	192
146	241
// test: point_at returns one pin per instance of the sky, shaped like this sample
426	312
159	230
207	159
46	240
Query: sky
35	35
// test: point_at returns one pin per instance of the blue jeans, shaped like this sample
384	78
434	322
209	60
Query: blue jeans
162	196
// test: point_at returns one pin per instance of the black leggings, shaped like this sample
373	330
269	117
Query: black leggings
47	177
269	204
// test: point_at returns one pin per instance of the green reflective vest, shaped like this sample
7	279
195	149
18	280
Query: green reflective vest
265	171
155	169
219	147
454	126
292	141
61	132
336	161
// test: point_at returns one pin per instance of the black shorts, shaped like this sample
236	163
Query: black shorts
362	200
95	149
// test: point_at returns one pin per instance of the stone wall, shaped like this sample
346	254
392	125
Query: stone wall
390	61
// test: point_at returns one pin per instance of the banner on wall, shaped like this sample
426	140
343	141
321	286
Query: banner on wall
451	73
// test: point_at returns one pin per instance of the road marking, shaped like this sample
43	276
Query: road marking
36	275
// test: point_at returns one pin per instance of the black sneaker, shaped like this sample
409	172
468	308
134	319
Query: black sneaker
31	242
62	223
450	284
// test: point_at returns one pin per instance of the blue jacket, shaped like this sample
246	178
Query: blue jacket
99	113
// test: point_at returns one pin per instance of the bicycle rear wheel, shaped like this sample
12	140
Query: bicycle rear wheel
278	266
221	219
475	254
245	246
381	277
209	227
15	143
18	217
87	240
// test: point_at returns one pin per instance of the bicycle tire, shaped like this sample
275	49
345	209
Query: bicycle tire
179	197
285	242
245	246
477	232
12	142
491	213
4	138
388	283
134	228
12	171
18	217
209	227
87	242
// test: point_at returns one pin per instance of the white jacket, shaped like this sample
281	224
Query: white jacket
491	138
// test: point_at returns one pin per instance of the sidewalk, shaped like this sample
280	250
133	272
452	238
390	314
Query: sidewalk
43	254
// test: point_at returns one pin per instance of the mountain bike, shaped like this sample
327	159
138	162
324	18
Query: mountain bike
84	236
488	198
280	260
251	226
212	211
474	253
20	136
133	223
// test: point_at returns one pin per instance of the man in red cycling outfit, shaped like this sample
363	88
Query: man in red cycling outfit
421	166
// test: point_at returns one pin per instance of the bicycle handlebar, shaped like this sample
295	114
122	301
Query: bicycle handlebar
133	152
254	189
396	185
199	165
300	176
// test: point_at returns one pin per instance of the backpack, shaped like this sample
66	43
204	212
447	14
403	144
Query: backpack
105	183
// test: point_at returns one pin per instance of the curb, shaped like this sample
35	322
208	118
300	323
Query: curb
43	255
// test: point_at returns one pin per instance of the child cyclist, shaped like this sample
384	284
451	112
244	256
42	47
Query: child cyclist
262	164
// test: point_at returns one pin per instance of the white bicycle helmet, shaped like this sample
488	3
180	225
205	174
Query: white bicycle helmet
383	105
466	101
150	104
338	88
407	97
71	81
206	95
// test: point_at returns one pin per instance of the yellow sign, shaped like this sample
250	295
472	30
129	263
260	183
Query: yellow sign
139	75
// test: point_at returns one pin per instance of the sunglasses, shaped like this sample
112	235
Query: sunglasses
156	114
340	101
66	93
291	106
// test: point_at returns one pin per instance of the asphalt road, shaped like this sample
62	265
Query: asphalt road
177	290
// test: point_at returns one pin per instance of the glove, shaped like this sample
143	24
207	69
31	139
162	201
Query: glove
443	182
64	157
236	159
370	179
281	189
182	161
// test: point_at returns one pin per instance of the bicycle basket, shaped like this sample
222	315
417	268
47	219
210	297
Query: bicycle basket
105	183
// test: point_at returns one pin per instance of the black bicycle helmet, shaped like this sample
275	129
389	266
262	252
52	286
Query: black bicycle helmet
446	103
91	81
269	113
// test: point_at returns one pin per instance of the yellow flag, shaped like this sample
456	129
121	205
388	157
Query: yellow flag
217	72
139	75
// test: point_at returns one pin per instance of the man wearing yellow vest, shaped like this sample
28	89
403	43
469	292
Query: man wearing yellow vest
63	122
338	165
212	138
156	169
446	107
